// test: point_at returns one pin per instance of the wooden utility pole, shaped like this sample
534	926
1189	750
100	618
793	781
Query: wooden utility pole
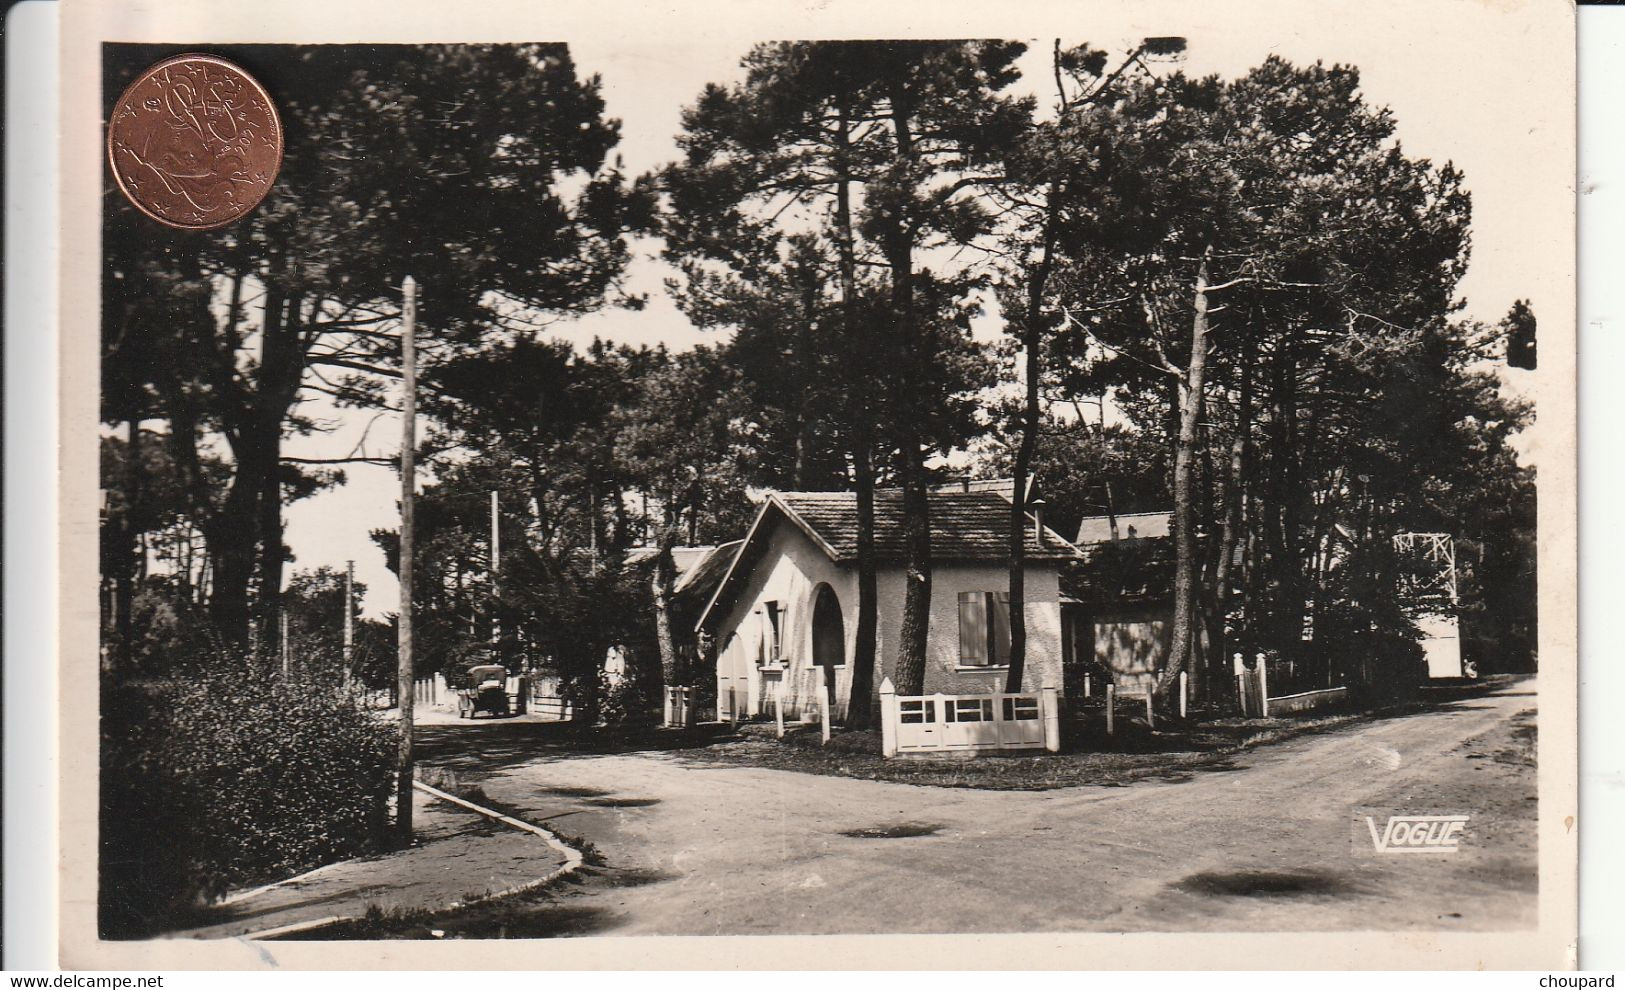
496	570
404	679
349	621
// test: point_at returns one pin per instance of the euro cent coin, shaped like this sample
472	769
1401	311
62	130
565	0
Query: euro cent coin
195	142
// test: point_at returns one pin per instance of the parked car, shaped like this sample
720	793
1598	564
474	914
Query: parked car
487	691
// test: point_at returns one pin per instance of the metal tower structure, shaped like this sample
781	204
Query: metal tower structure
1431	572
1428	576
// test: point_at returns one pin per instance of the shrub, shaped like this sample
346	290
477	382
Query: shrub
628	701
225	780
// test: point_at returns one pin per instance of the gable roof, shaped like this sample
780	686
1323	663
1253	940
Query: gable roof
967	526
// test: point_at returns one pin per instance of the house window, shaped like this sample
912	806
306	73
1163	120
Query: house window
984	628
772	654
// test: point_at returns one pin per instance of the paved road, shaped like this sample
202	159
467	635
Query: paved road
1278	843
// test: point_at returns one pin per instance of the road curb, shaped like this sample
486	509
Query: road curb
572	856
572	862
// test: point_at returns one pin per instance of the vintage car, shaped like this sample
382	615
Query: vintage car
486	691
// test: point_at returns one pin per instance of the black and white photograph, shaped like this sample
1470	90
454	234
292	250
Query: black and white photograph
1103	471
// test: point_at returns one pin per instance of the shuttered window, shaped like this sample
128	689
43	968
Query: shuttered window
775	619
972	628
999	626
770	648
984	628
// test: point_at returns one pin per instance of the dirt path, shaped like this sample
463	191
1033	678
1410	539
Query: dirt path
1277	843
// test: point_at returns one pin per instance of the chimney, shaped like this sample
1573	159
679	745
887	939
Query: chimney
1037	505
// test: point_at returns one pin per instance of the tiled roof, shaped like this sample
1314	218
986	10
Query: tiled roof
965	526
701	575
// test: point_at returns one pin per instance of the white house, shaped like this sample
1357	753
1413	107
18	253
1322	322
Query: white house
787	607
1118	600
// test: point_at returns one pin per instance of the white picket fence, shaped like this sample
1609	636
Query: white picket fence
960	723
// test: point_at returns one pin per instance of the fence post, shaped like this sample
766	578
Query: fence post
823	702
665	705
1150	713
1050	709
1263	686
1086	686
778	707
1111	709
1184	694
888	718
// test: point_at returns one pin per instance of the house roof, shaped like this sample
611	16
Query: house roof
683	557
701	574
968	525
965	525
1130	525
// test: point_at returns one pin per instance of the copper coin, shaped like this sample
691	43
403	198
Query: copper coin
195	142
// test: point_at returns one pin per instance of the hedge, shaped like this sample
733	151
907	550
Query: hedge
224	781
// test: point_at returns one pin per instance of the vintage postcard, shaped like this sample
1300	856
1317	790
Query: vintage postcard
1054	486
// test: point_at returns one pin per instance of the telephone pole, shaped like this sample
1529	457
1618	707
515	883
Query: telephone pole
496	571
349	621
404	679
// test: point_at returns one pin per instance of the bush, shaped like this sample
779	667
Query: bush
628	701
224	780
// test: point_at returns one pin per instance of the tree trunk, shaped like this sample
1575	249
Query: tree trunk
271	558
124	555
1032	338
1287	617
899	250
912	639
236	531
233	537
860	712
1234	506
1179	649
281	367
584	693
672	672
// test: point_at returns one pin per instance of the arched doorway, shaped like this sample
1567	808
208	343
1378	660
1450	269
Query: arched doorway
828	644
828	629
733	681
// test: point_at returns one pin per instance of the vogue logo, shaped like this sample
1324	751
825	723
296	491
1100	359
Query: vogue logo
1418	833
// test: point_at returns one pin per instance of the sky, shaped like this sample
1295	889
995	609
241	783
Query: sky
1478	92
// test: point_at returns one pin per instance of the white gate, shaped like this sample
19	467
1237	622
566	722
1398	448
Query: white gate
968	722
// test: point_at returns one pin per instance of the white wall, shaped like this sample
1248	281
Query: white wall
789	571
1133	645
943	672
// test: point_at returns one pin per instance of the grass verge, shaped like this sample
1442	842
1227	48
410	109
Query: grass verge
1135	752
